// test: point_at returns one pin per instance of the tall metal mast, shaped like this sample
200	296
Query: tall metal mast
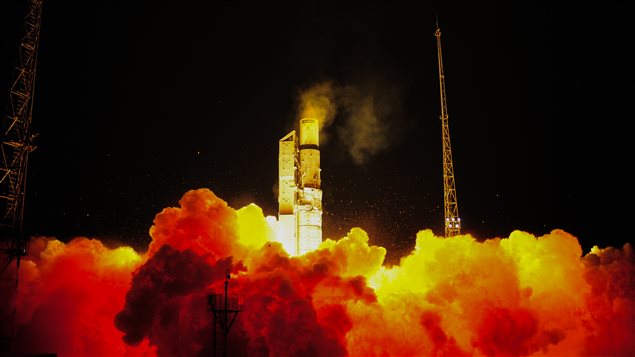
451	207
16	142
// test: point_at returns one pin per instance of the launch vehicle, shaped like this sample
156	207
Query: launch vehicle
300	193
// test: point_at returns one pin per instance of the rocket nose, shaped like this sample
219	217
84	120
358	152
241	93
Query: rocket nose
309	131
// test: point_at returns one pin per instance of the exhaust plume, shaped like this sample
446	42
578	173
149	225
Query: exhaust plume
519	295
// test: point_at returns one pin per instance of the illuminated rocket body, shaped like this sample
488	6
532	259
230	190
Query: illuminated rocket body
300	193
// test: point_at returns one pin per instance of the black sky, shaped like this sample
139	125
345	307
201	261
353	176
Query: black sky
136	104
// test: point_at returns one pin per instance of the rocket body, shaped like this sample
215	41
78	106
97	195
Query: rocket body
300	193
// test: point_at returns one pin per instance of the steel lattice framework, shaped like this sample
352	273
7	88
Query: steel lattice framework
451	206
16	142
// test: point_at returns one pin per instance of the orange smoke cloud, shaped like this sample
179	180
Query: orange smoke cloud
521	295
68	295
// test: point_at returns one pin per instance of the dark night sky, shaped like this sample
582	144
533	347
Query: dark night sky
137	104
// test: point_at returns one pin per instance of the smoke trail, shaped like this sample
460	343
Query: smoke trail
520	295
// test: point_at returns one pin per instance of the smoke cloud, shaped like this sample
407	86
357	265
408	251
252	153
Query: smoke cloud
367	115
318	102
168	287
68	296
370	125
519	295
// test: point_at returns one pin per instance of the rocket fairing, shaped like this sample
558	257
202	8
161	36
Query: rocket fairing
300	193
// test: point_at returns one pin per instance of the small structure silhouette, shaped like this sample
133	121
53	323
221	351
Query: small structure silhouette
225	309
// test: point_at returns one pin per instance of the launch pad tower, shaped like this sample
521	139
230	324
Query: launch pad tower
16	142
300	193
450	204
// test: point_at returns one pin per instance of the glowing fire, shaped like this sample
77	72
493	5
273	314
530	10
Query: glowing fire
521	295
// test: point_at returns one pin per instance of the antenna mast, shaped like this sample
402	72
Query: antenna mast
451	207
225	309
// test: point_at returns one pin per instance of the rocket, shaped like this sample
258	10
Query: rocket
300	193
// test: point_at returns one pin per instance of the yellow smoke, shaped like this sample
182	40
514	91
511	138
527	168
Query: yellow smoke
318	101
